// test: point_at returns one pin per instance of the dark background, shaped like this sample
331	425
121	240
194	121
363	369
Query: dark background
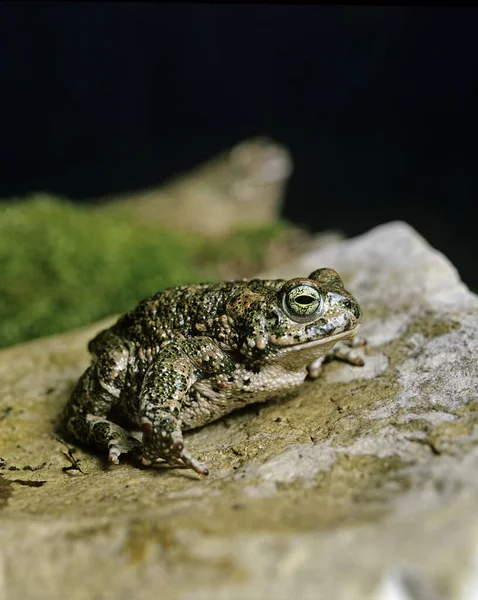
377	104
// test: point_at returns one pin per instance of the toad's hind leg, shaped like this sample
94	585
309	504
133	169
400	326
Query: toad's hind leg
94	396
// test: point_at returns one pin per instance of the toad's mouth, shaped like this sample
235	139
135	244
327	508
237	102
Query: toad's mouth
322	341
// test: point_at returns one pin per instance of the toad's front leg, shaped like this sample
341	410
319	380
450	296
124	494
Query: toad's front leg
177	367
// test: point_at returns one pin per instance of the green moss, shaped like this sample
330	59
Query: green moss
244	244
64	265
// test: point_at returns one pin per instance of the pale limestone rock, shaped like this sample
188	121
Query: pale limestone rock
362	486
242	186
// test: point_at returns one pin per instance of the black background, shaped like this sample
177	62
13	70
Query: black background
377	104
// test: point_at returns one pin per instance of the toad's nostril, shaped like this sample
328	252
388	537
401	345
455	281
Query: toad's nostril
343	302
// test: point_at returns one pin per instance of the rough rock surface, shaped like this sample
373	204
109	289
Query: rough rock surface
362	486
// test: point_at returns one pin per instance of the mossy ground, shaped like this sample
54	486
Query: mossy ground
65	265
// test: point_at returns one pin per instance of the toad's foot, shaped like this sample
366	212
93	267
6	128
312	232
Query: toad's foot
104	433
123	445
355	341
171	450
343	350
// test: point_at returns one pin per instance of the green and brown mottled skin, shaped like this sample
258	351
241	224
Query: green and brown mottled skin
191	354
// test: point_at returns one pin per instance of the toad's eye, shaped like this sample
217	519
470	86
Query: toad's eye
302	301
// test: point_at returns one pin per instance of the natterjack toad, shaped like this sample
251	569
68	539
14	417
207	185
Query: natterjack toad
191	354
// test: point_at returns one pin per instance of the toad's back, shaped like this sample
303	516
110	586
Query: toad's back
187	310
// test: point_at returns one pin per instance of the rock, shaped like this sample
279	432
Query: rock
362	486
244	185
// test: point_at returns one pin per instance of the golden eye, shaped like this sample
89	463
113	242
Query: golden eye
303	301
